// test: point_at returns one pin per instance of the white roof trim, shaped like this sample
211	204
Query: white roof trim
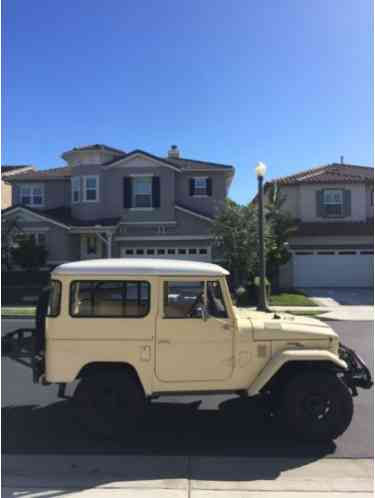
37	215
123	160
193	213
140	266
17	171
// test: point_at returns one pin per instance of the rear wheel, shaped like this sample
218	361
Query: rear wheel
317	406
109	403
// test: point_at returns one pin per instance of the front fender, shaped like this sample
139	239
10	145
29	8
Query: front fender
279	359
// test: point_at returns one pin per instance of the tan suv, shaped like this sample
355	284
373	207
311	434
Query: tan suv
133	329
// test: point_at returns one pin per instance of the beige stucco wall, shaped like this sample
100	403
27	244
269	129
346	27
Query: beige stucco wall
291	203
6	195
301	201
308	202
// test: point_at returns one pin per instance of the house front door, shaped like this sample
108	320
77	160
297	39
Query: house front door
91	246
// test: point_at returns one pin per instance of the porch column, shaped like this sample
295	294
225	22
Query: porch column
107	240
109	244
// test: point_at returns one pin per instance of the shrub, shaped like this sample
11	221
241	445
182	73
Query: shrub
28	254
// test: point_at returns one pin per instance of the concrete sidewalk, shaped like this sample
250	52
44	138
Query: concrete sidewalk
139	476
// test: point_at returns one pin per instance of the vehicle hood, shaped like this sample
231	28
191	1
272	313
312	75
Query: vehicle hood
284	326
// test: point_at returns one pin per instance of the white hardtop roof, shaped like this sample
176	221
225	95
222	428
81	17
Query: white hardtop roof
140	266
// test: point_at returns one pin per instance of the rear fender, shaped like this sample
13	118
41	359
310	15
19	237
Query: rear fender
300	355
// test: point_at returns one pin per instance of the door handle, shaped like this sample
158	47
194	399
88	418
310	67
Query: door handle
164	341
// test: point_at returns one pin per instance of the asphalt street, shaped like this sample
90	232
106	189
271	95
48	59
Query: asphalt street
37	422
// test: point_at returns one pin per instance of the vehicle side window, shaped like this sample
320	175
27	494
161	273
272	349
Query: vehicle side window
109	299
183	299
215	300
54	297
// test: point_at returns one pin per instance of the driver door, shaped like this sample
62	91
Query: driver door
191	346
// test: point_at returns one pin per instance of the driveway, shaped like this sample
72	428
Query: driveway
353	296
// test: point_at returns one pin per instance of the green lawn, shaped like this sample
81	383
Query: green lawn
18	311
292	298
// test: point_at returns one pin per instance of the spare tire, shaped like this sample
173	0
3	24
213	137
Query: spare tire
40	320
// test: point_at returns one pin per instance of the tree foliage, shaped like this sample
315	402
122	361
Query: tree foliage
28	254
236	229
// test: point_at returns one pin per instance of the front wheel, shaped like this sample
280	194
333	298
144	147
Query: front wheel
317	406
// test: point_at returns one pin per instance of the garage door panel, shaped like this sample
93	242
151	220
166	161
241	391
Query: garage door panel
333	270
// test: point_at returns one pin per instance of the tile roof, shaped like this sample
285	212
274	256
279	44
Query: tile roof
330	173
195	164
334	229
46	174
99	147
66	171
13	168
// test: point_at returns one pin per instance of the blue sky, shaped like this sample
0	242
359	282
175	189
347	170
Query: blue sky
288	82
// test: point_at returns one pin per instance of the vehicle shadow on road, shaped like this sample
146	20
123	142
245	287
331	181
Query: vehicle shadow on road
236	430
176	441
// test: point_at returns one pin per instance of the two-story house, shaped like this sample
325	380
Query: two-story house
333	244
109	203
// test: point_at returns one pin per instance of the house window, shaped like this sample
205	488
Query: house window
142	192
76	189
333	202
91	188
38	237
32	195
200	186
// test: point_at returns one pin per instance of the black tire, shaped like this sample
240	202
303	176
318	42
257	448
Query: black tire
109	403
40	320
317	406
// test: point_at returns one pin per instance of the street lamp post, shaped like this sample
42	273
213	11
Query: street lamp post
262	304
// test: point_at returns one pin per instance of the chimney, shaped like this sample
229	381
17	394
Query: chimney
342	159
174	152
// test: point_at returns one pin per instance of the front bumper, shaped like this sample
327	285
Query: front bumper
357	374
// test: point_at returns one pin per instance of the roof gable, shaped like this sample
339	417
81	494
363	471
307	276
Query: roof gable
140	153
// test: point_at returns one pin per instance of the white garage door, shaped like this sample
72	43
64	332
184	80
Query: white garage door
349	268
187	253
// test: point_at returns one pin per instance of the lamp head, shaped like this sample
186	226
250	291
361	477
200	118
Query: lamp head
260	169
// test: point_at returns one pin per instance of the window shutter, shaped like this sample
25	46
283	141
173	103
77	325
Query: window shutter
156	191
319	204
191	186
347	203
209	186
127	192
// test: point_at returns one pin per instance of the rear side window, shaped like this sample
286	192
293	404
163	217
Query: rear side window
54	298
109	299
